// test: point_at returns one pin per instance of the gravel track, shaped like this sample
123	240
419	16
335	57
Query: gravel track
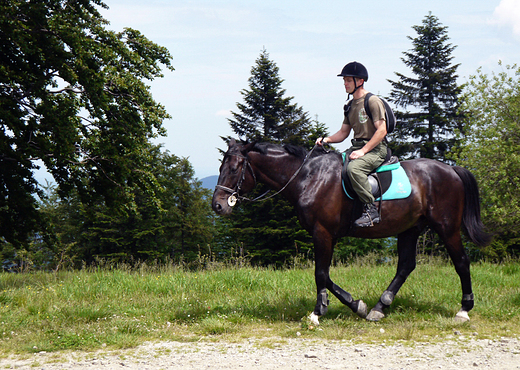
453	353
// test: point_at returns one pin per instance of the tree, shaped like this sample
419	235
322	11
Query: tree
179	230
266	115
490	149
428	130
188	221
269	230
72	95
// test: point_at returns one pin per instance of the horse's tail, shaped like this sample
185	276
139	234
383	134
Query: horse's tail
471	216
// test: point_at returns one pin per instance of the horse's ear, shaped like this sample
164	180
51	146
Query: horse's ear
248	147
232	142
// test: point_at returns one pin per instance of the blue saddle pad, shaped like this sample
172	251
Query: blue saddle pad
400	186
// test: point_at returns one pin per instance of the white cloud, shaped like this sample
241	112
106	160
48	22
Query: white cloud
507	14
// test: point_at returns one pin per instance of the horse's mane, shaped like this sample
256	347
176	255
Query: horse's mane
295	150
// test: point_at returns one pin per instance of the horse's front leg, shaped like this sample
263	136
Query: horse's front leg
323	249
358	307
323	257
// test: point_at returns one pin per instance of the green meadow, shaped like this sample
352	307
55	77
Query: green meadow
121	307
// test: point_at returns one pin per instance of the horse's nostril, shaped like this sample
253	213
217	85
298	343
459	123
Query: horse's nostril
217	207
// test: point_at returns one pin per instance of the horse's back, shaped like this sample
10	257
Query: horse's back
436	188
437	185
431	173
437	194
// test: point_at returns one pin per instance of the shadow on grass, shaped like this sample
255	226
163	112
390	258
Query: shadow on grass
298	308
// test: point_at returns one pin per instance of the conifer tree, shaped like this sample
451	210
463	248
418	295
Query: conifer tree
269	231
431	98
266	114
179	231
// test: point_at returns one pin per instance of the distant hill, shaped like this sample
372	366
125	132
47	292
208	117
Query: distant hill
209	182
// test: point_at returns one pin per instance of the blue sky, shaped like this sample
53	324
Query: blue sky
215	43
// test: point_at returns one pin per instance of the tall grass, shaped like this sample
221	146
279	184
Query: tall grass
117	307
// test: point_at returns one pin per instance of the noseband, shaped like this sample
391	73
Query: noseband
235	193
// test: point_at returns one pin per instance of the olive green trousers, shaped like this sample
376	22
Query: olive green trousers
359	169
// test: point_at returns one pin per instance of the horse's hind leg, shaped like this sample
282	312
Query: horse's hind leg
406	250
461	262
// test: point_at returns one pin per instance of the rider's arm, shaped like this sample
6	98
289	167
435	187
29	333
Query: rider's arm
338	137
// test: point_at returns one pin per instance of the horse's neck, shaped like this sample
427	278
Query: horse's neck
274	170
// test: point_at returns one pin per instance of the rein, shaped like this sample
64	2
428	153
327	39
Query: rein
235	194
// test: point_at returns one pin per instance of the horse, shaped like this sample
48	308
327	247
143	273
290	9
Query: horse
443	197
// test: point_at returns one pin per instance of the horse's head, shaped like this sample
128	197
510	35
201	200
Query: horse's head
236	178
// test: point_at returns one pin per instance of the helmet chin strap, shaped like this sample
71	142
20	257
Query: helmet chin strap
355	88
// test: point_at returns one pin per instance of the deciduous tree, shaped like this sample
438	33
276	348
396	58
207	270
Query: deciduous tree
73	99
490	148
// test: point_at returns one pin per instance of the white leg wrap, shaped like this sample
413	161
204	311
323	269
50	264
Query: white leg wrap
314	319
462	316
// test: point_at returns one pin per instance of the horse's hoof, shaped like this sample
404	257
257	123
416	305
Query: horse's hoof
362	309
462	316
314	319
375	316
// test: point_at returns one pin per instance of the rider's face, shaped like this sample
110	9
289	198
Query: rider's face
349	84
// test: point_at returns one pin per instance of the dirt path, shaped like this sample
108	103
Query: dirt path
455	353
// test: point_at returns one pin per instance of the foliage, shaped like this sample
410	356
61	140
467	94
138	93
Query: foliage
490	149
427	130
348	249
187	222
176	231
269	231
266	115
109	307
73	99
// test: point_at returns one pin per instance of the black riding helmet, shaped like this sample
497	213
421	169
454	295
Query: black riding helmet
355	70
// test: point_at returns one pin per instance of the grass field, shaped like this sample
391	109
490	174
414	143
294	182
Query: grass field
122	307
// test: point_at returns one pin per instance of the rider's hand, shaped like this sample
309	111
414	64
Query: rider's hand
320	141
357	154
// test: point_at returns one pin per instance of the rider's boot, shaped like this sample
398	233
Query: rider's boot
369	217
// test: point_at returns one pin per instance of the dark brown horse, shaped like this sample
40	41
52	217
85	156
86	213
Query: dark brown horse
443	197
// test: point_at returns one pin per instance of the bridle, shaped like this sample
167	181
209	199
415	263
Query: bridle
235	193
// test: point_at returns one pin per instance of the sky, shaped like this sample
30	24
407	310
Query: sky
215	43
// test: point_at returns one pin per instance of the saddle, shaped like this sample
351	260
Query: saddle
388	181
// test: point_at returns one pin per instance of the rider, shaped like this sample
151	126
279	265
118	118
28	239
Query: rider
369	148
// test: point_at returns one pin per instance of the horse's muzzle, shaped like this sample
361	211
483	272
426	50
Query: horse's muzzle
217	207
221	207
